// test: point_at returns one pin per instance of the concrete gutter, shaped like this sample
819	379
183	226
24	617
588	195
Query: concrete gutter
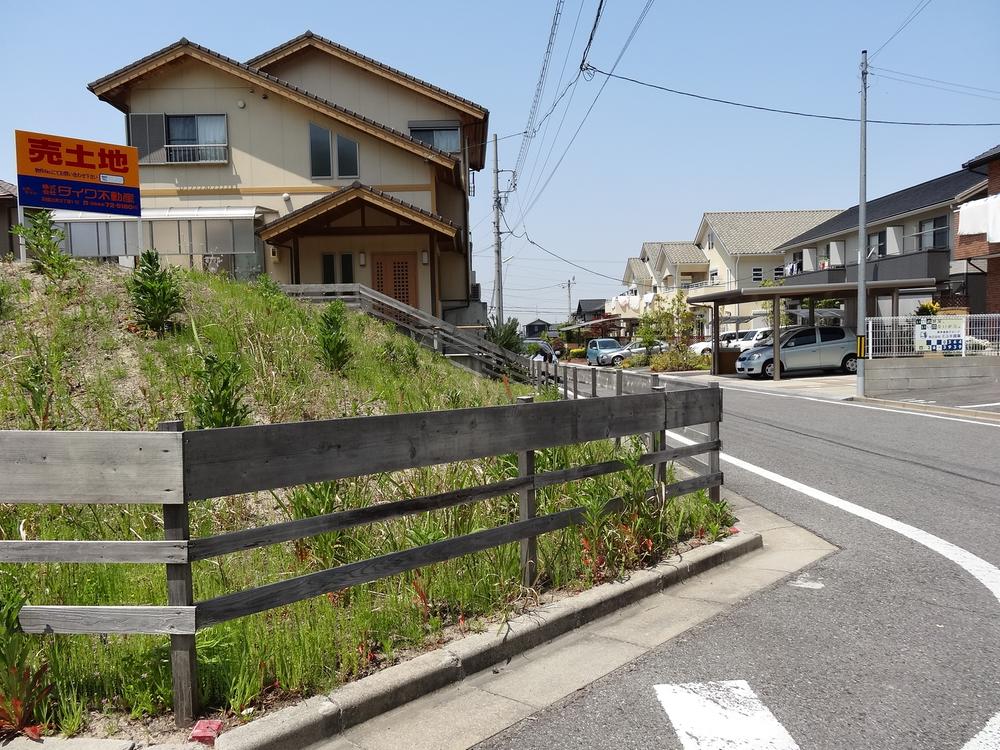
319	718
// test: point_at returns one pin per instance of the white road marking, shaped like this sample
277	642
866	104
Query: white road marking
976	406
722	716
865	406
984	572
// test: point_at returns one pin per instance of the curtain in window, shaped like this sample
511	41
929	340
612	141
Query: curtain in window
212	129
181	131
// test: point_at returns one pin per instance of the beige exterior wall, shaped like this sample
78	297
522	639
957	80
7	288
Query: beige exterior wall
359	90
268	148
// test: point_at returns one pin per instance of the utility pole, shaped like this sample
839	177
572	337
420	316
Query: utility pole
862	322
498	282
569	296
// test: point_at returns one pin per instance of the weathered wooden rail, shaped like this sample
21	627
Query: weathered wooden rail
174	468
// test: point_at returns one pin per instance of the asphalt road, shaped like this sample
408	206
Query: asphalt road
889	644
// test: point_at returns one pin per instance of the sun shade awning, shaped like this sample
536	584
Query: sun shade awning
173	213
750	294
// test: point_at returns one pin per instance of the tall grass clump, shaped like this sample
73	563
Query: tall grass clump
217	398
44	244
335	347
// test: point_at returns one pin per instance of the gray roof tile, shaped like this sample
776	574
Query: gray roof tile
933	192
675	252
760	232
7	189
638	270
983	158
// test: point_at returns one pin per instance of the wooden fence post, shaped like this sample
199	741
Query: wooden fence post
180	593
593	382
565	380
576	383
527	511
658	442
715	493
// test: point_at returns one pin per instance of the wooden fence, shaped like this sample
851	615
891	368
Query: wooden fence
174	467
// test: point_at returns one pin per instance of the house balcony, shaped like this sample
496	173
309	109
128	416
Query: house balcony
833	275
923	264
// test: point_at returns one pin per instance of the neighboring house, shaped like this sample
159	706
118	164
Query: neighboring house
741	251
675	265
8	218
910	236
536	329
589	309
981	250
311	162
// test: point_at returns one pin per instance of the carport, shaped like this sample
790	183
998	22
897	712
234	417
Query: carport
847	290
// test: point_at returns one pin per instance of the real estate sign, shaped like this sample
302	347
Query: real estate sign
939	334
69	173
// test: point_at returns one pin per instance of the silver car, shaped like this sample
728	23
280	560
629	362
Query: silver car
803	348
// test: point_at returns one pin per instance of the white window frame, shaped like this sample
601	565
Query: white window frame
778	273
757	274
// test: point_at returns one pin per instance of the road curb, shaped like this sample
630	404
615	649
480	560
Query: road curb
322	717
949	411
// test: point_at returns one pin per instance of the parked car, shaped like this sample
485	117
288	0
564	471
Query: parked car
753	337
600	348
727	340
545	350
803	348
635	349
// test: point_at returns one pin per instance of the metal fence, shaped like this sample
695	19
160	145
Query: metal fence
916	336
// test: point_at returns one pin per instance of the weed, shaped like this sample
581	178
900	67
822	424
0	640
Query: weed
24	687
217	397
335	348
37	383
504	334
155	292
43	240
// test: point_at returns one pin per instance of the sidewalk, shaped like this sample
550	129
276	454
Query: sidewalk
832	387
460	715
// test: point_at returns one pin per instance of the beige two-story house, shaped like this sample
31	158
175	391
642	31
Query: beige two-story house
310	162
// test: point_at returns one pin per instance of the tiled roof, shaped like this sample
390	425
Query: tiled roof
590	305
983	158
760	232
253	61
293	215
182	42
7	189
931	193
675	252
640	274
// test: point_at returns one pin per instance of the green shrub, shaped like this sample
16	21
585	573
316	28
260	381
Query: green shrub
577	353
155	292
532	349
42	239
217	398
505	334
335	347
636	360
927	309
676	360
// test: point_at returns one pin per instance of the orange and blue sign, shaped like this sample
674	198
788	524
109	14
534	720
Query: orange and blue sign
57	172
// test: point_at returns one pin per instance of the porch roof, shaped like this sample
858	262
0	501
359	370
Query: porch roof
349	199
751	294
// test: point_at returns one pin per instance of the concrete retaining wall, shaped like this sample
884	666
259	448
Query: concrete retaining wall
909	373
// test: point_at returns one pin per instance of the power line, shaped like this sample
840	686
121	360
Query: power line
593	32
525	236
529	129
584	65
917	10
935	80
939	88
792	112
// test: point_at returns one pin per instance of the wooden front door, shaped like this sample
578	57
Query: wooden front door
396	276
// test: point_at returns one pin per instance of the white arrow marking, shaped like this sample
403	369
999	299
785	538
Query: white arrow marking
984	572
722	716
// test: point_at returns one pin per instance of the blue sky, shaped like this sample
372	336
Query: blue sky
646	165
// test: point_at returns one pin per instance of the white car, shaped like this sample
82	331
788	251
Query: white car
753	338
726	341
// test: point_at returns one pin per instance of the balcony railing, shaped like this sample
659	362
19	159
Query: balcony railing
215	153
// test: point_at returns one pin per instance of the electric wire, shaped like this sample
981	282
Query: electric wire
792	112
917	10
934	80
524	235
933	86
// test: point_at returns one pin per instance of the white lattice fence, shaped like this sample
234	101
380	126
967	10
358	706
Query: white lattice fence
913	336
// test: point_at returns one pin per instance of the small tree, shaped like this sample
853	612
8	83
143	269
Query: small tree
43	240
335	348
155	292
505	334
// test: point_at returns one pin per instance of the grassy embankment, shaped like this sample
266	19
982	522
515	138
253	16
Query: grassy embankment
72	357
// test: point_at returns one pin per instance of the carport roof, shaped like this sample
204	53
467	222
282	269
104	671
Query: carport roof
748	294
